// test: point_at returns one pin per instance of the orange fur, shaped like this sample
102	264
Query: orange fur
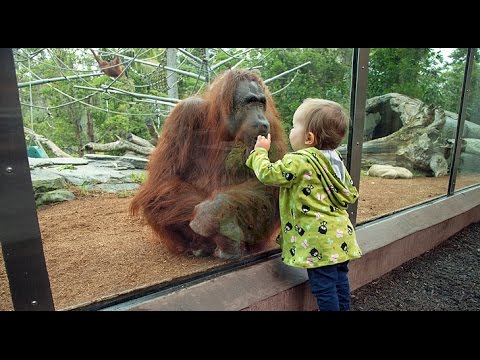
197	175
111	68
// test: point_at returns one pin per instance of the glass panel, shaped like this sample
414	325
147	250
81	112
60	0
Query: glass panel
88	138
469	166
5	296
412	105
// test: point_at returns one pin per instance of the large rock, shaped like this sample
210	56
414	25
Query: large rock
34	162
470	129
100	173
389	172
44	180
387	113
406	132
137	162
54	197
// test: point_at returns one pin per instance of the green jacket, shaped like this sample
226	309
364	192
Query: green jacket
316	230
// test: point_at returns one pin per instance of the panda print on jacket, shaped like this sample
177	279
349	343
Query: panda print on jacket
313	203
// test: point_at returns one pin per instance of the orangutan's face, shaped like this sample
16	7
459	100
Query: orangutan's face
248	118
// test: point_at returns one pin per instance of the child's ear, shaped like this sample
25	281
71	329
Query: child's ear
310	139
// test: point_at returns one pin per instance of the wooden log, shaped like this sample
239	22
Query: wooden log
42	139
118	145
417	145
139	141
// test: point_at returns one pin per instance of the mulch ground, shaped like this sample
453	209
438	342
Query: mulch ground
445	278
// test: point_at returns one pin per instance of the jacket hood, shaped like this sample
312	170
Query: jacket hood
341	194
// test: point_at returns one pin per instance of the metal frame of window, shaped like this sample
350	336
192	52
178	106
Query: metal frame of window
466	91
358	100
19	229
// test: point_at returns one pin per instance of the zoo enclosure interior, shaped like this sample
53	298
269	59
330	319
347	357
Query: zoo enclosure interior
390	106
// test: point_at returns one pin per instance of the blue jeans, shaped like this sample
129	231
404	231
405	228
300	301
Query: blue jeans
330	286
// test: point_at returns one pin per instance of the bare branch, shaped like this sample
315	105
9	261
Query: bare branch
186	73
160	99
191	56
230	58
139	141
238	63
44	81
152	130
286	86
286	72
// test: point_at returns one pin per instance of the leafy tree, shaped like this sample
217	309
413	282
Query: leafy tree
61	108
453	80
414	72
327	76
64	111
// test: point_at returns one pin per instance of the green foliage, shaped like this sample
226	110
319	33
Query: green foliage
125	193
66	167
62	110
453	80
84	188
138	178
408	71
327	76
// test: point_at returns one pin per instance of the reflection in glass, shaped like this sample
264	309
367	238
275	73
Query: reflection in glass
469	165
412	106
82	126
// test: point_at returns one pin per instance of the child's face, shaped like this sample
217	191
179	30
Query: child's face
297	134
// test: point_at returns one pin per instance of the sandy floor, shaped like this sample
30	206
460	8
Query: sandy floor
95	251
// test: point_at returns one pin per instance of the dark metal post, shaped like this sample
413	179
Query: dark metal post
357	113
467	82
19	230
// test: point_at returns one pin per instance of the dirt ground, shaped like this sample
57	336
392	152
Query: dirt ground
94	250
444	278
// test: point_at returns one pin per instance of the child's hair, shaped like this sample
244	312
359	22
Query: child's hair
327	120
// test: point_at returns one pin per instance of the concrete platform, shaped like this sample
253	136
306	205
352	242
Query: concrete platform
270	285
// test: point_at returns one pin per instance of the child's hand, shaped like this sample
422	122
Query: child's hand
263	142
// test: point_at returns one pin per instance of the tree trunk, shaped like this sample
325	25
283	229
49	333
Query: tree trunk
90	133
172	81
119	145
152	130
51	145
139	141
78	135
